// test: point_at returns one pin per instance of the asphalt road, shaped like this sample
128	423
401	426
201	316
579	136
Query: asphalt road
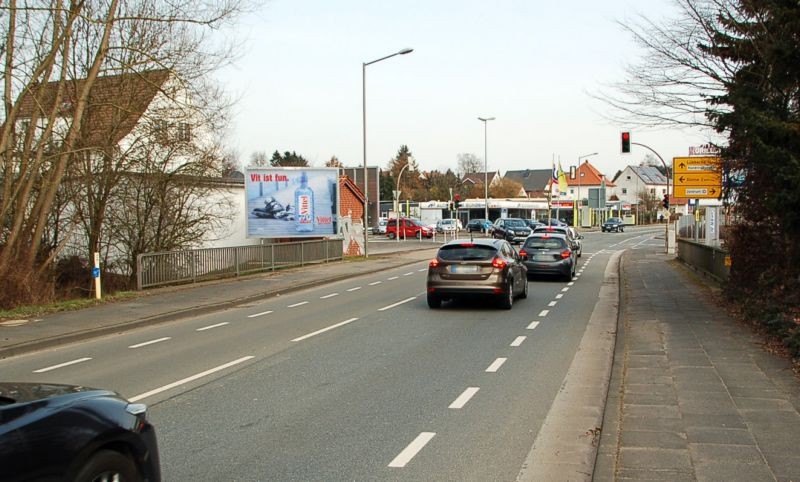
354	380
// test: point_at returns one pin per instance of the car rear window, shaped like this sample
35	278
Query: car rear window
545	243
467	252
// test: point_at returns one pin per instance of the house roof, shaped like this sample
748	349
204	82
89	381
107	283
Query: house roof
116	103
591	176
346	182
649	174
532	180
478	177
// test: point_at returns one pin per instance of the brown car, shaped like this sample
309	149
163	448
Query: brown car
466	268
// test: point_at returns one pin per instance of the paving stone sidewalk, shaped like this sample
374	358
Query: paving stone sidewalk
693	395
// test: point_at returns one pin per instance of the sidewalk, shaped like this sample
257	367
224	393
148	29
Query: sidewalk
693	395
172	303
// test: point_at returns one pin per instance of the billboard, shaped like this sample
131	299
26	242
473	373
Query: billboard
291	202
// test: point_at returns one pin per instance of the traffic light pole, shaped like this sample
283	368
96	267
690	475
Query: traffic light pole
666	171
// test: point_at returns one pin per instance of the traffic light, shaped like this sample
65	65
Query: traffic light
665	201
457	199
626	142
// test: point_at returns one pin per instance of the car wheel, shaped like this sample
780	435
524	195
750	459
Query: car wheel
434	301
524	293
508	299
621	230
107	465
392	235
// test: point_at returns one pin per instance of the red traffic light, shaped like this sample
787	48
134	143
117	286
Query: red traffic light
626	142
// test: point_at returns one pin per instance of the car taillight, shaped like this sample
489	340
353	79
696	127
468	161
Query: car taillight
499	262
523	253
434	263
566	254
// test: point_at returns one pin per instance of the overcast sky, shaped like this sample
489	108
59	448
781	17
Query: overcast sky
528	63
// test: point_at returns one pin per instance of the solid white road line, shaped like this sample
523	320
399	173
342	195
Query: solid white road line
298	304
375	283
496	365
544	312
337	325
189	379
355	289
397	304
151	342
533	325
329	296
518	340
552	303
61	365
259	314
464	398
413	449
210	327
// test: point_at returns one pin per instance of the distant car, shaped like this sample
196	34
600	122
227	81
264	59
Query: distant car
571	234
549	253
533	224
613	224
448	225
381	227
553	222
480	267
513	230
478	224
72	433
409	228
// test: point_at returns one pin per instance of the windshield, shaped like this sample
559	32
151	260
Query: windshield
516	223
545	243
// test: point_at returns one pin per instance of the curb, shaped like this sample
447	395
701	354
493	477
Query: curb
567	444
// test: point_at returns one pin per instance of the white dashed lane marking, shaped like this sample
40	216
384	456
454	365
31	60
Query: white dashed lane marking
211	327
413	448
151	342
496	365
464	398
61	365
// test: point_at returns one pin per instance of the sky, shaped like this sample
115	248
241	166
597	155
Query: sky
530	64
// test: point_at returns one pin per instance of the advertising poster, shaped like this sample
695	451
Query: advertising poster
291	202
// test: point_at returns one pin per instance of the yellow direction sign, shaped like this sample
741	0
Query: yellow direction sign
703	179
696	165
697	177
698	192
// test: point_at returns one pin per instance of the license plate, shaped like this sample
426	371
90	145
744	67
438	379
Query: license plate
543	257
463	269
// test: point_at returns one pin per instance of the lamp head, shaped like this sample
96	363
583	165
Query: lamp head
405	51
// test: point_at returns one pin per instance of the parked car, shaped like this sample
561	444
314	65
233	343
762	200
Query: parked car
409	228
513	230
381	227
571	234
549	253
488	267
449	225
73	433
478	224
613	224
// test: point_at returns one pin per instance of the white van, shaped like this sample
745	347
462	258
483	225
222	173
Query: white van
381	227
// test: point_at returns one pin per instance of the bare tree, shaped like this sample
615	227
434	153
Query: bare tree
469	163
672	84
53	55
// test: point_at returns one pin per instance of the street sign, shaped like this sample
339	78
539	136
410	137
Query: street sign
697	177
704	179
697	192
696	165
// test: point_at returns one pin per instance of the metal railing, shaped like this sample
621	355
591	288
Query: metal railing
191	266
709	259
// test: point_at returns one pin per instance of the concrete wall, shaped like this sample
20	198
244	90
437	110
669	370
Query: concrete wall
708	259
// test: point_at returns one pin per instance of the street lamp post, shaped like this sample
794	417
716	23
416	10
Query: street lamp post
397	205
364	134
485	121
578	173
